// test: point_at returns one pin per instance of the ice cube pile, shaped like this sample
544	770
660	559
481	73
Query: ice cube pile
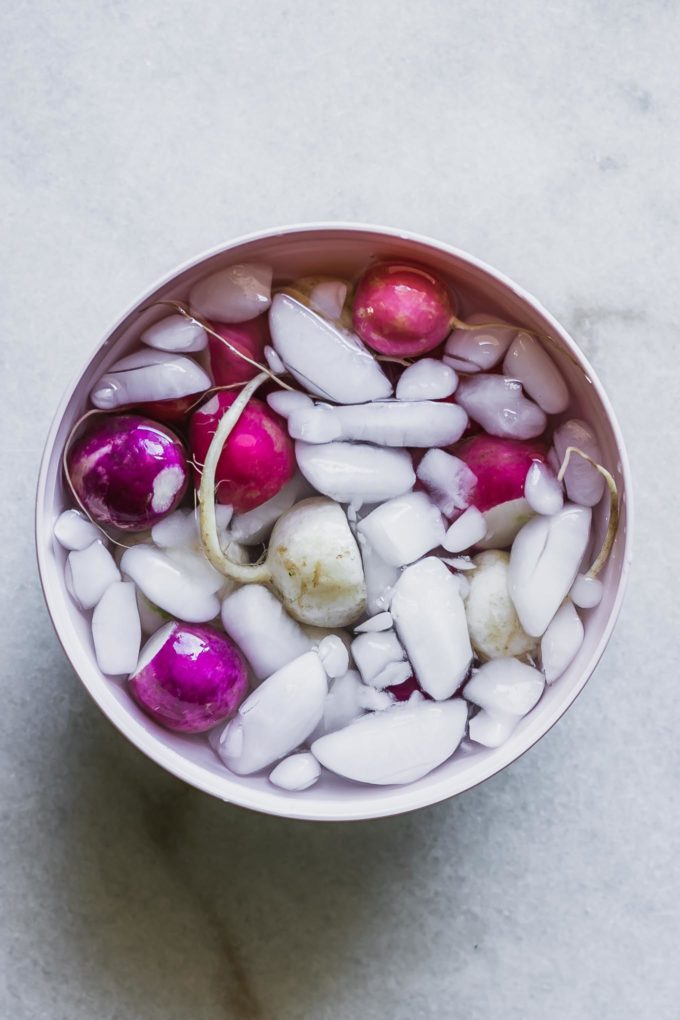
376	563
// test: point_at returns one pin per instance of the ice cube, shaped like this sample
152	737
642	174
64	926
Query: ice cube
500	407
73	531
116	629
177	529
356	472
342	704
296	773
149	375
254	526
88	573
403	529
236	294
382	621
478	350
274	361
544	561
505	687
584	484
528	361
375	650
427	379
542	491
328	298
466	531
285	402
168	586
373	700
561	641
379	576
276	718
417	423
334	656
448	480
429	617
176	333
399	745
326	359
268	637
491	729
586	592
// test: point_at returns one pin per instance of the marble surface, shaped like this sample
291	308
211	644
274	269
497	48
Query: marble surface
543	138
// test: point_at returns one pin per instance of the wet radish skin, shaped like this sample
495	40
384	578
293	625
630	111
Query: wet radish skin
249	337
500	466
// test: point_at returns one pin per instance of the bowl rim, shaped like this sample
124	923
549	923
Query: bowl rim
272	803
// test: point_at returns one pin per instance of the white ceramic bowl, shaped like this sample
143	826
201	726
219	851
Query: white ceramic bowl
343	249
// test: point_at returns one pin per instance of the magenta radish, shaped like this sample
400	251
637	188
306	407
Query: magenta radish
500	467
401	310
189	678
257	459
127	471
250	338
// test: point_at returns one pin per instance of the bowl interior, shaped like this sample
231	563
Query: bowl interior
336	250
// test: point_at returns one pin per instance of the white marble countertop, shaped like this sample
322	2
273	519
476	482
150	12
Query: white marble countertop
544	138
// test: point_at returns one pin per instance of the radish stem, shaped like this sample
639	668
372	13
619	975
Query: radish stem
245	573
613	524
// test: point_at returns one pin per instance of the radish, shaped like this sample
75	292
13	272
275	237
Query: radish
127	471
495	630
401	310
257	459
189	678
170	412
250	338
500	467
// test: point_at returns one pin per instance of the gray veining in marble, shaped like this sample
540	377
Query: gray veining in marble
544	138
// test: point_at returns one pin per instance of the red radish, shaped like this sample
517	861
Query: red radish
250	338
403	691
189	677
401	310
500	466
258	458
172	412
128	472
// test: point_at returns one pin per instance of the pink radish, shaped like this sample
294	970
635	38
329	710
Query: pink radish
257	459
189	677
171	412
127	471
250	338
401	310
500	467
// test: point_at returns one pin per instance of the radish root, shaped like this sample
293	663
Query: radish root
613	524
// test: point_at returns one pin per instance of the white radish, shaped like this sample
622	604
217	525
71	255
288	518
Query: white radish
403	529
399	745
448	480
542	491
254	526
379	622
561	641
165	584
149	375
236	294
73	531
375	650
296	773
326	359
88	574
500	407
416	423
479	349
177	334
495	630
586	592
466	531
505	687
426	379
116	629
528	361
276	718
429	617
356	472
544	561
257	622
583	482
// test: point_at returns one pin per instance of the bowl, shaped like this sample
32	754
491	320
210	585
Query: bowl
341	249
